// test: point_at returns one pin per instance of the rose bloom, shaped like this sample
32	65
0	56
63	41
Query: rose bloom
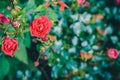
80	2
117	2
4	19
112	53
87	4
40	26
9	46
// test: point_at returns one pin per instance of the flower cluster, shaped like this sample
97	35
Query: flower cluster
39	27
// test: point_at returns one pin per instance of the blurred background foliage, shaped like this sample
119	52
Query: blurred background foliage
92	30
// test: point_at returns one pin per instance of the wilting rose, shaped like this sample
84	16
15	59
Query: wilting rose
112	53
9	46
16	24
4	19
52	38
85	56
40	27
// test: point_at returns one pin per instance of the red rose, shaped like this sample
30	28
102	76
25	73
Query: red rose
9	46
113	53
40	27
4	19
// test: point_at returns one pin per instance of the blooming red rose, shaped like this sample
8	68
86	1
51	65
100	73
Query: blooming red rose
9	46
112	53
4	19
40	27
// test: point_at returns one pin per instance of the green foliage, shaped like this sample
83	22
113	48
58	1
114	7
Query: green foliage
4	67
27	41
21	53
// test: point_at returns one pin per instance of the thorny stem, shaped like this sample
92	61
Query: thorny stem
46	76
39	56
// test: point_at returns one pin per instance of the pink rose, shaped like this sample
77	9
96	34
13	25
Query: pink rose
112	53
80	2
87	4
117	2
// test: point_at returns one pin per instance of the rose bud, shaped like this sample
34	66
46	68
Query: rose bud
36	63
18	8
9	8
16	24
45	57
40	26
42	48
15	2
9	46
52	38
4	19
112	53
14	12
45	38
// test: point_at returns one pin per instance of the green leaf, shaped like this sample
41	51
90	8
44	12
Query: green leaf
0	40
53	59
21	53
26	40
51	14
30	5
39	8
4	67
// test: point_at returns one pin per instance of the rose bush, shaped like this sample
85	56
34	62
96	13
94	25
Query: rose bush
59	40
